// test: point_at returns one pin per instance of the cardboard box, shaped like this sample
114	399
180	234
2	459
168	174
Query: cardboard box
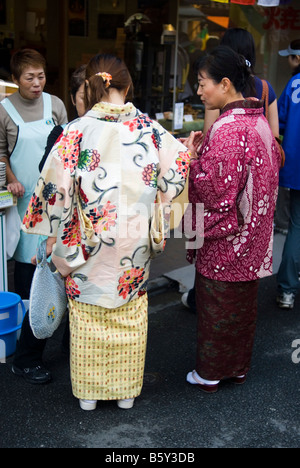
7	199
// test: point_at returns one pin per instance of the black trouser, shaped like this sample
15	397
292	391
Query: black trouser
29	352
23	275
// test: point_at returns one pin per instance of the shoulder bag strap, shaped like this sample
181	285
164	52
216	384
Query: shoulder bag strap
265	97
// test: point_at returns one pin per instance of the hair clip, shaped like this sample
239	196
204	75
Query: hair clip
248	64
106	77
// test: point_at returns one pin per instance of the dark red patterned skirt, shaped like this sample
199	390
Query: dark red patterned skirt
227	314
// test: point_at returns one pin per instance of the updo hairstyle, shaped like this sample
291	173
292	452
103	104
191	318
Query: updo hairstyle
98	89
223	62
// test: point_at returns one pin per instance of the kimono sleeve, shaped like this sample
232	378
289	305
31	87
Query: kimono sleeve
174	161
51	199
216	181
55	209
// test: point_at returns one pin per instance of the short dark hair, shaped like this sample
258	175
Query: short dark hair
25	58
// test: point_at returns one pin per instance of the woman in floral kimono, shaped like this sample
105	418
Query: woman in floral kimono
236	179
94	201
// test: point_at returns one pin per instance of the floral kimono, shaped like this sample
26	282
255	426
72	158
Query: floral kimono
96	195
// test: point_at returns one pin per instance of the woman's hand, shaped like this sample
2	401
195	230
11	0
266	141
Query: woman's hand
193	143
16	188
13	185
49	247
50	243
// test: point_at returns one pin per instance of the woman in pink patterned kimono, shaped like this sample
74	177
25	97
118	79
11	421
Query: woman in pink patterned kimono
95	202
236	179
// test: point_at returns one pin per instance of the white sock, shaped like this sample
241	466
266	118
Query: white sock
194	378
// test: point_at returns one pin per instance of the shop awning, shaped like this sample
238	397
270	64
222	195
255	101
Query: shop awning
219	20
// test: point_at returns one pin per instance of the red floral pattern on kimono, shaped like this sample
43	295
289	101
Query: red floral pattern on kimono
68	149
71	233
34	213
130	281
236	178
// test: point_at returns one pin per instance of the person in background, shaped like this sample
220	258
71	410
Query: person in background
241	41
236	179
77	87
289	118
104	176
26	119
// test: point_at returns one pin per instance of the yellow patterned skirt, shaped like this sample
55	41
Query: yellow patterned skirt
108	350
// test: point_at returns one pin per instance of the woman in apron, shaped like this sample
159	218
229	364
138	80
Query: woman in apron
24	163
26	119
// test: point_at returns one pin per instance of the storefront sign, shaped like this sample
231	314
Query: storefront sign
178	115
282	18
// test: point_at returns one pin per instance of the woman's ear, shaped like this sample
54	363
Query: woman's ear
226	83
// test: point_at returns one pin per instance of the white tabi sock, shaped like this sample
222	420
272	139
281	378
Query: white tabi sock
194	378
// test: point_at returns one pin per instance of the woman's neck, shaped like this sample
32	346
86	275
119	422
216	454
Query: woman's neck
115	97
29	102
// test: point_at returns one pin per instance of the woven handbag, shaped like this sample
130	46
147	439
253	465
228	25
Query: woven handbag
48	299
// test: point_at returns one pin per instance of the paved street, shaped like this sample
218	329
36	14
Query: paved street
170	413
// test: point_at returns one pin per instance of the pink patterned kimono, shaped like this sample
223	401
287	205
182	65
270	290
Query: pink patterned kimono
236	178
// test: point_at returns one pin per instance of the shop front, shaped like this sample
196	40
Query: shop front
200	27
159	39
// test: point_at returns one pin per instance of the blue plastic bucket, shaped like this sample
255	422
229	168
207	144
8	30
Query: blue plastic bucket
9	306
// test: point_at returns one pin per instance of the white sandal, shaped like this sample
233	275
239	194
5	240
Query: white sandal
88	405
125	404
